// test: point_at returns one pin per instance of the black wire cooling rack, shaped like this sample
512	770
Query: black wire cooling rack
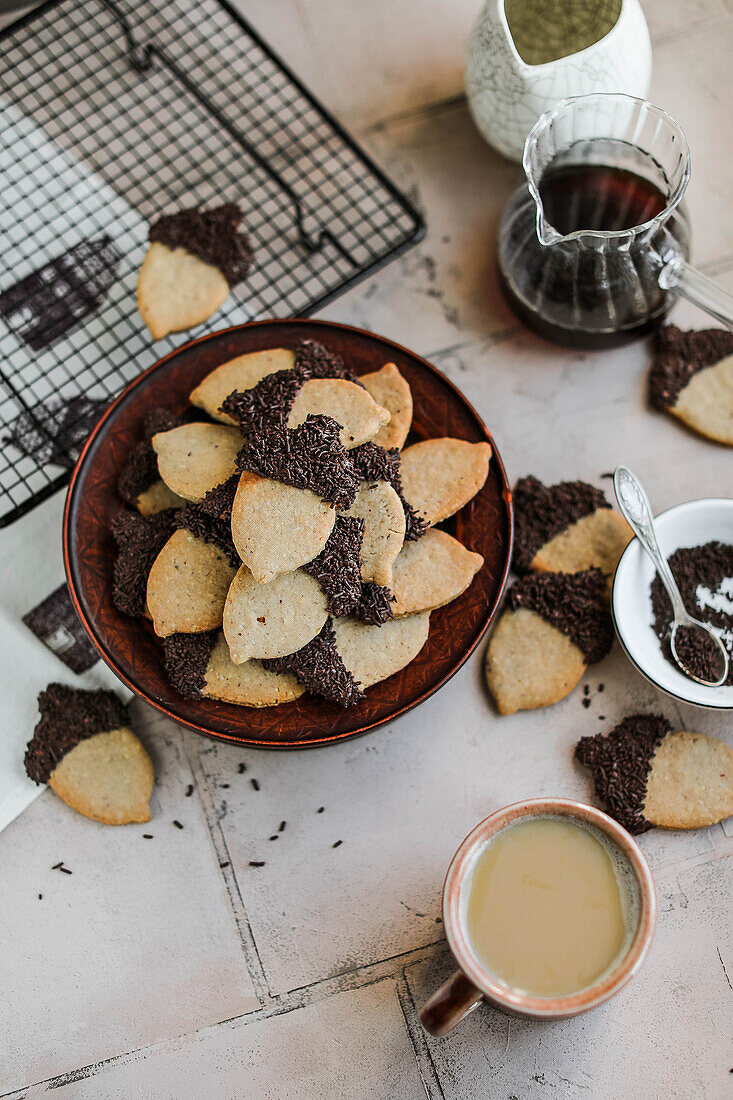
111	113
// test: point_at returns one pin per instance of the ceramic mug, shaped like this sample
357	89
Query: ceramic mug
472	983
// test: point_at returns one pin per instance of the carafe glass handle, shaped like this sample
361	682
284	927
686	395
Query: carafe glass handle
677	275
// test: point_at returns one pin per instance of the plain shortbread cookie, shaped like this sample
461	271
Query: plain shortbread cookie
196	457
373	653
240	374
440	476
431	572
276	527
388	388
275	619
379	506
187	586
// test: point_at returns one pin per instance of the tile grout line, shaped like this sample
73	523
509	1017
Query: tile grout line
221	851
423	1057
278	1005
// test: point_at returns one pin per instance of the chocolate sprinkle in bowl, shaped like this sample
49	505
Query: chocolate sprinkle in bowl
697	540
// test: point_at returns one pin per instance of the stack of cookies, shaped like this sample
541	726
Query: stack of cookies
280	538
568	542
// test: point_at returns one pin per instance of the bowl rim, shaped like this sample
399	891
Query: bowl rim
161	705
627	553
527	1004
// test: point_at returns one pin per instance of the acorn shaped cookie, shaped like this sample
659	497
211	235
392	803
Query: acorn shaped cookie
85	750
199	666
692	378
553	627
565	528
647	774
194	257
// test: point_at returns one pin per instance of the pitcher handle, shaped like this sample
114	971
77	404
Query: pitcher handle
677	275
449	1005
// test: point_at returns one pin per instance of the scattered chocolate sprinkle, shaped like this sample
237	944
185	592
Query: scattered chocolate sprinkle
212	235
257	863
242	768
310	456
189	790
319	668
586	689
338	566
608	476
224	786
320	809
55	430
68	716
139	541
586	702
141	468
337	844
255	784
281	826
57	865
65	871
274	837
678	355
210	519
40	897
574	603
374	605
186	658
601	718
375	463
224	864
177	824
699	569
601	687
620	761
147	836
543	511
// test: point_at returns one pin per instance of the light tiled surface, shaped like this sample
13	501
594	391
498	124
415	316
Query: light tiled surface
170	967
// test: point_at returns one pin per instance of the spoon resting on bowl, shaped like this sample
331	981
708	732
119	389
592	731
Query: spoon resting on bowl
689	634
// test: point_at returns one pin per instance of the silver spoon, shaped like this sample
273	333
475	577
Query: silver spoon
634	503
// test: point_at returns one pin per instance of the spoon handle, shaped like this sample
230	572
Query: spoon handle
634	503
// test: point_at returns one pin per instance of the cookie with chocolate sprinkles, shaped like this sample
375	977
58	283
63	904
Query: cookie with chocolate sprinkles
139	541
268	404
647	775
374	463
140	471
311	456
186	658
691	377
194	257
84	749
554	626
565	528
319	668
337	568
210	519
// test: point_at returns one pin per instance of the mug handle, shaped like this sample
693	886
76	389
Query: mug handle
450	1004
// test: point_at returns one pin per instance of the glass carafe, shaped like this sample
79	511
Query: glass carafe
596	165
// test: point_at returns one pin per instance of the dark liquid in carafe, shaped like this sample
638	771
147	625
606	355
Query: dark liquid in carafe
595	197
578	297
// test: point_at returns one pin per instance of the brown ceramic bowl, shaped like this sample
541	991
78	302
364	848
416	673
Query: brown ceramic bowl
472	983
130	647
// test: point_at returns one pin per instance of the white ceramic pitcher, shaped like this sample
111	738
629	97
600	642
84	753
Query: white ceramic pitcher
508	82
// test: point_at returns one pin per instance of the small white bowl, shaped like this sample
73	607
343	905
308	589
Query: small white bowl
690	524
